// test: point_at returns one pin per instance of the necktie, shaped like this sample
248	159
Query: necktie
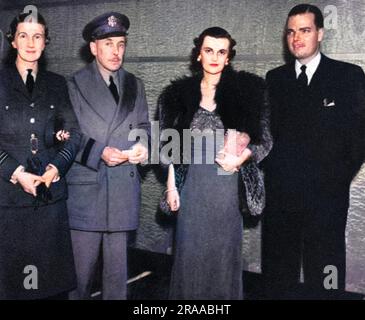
29	82
113	89
303	79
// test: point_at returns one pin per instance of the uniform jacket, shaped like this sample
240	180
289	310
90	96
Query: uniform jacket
21	115
241	105
105	198
29	236
318	134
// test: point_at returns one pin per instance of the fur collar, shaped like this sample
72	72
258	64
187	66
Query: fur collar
239	97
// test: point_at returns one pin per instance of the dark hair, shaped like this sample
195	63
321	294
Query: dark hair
215	32
11	55
308	8
25	17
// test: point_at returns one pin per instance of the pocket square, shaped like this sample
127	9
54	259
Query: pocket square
328	102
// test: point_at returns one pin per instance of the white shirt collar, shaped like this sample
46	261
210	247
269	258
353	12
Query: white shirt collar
106	75
24	74
311	67
23	71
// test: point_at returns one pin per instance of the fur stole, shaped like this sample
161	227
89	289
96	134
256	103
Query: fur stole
239	97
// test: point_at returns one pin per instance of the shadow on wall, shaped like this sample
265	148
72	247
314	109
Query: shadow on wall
85	54
287	56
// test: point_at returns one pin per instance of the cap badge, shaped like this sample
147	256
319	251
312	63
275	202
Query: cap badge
112	21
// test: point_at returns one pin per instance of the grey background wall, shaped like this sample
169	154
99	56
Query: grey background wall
160	40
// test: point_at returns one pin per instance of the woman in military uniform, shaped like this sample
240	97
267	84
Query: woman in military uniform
36	259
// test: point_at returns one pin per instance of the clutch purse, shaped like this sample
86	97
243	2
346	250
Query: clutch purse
180	174
235	142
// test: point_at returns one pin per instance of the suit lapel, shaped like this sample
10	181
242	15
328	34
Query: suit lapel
321	80
95	91
291	82
291	75
321	71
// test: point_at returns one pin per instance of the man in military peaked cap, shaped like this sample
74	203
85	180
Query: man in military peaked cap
106	25
104	185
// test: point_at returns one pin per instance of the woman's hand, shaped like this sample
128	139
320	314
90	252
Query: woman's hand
29	182
51	175
173	199
235	141
172	195
230	162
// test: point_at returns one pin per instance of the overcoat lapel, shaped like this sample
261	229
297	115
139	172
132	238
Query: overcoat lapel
127	94
122	111
95	91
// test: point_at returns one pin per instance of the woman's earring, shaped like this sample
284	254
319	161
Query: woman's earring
198	59
227	62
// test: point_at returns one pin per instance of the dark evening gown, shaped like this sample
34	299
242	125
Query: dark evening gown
209	231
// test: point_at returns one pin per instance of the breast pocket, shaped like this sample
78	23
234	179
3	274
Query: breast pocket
330	118
331	132
11	119
54	123
50	110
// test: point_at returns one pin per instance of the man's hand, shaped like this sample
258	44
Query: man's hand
113	156
138	154
29	182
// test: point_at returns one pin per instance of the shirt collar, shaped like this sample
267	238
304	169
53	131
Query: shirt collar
311	67
106	75
24	73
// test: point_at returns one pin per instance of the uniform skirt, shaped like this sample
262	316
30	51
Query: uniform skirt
36	258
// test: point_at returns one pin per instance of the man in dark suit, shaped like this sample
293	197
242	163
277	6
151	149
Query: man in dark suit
104	184
317	122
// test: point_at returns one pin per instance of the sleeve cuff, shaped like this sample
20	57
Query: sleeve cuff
58	175
7	166
92	153
14	176
253	149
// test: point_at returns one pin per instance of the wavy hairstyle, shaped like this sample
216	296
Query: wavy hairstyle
215	32
11	55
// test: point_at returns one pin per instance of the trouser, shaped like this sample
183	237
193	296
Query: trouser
87	247
314	240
